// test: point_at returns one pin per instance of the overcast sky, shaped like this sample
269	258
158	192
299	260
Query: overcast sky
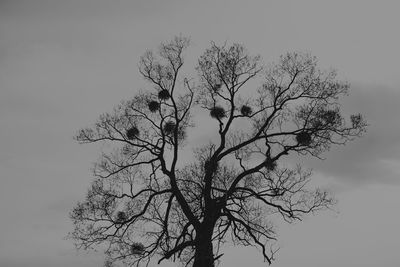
62	63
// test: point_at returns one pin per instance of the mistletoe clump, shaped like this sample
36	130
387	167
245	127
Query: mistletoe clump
132	133
303	138
217	112
246	110
121	217
217	86
137	248
153	106
269	164
169	127
164	94
210	166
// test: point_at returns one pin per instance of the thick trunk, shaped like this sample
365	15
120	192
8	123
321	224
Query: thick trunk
204	252
204	256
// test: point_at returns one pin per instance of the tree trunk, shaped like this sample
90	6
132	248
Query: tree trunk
204	256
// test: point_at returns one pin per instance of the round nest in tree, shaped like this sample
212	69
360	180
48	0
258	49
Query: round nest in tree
330	117
270	165
210	166
153	106
303	138
217	112
164	94
246	110
121	217
217	86
169	127
137	248
132	133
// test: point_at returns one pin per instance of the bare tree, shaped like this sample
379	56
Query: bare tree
145	203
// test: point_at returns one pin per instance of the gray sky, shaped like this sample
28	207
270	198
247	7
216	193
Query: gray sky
62	63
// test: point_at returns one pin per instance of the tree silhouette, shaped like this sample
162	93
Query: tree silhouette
148	201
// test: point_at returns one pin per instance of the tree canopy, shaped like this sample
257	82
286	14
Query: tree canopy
157	196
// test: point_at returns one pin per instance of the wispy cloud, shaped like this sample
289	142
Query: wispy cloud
375	157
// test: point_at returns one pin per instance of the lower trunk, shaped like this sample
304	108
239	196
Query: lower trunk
204	256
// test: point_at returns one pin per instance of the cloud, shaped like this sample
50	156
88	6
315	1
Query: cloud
375	157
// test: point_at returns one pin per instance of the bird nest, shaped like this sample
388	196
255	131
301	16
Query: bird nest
217	112
303	138
210	166
246	110
164	94
269	164
121	217
153	106
137	248
132	133
169	127
216	87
